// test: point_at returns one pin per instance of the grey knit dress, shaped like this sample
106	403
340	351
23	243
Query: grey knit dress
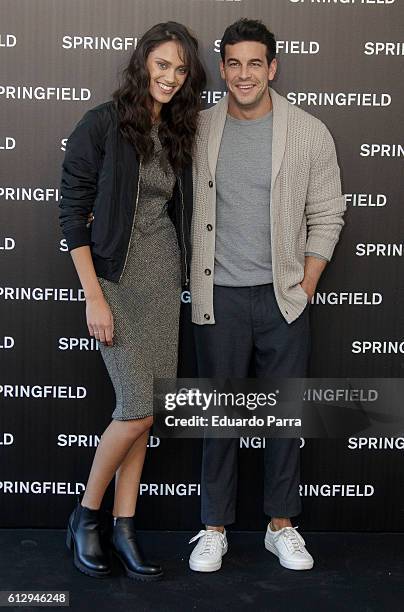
145	304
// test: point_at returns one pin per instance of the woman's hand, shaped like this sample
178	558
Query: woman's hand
90	219
100	321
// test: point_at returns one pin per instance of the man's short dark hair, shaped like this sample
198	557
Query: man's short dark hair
249	29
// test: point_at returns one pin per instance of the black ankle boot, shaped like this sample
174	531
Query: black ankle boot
84	539
125	547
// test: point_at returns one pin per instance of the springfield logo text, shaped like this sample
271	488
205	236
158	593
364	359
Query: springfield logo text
379	249
42	391
30	194
339	98
8	40
29	92
7	342
170	489
6	439
99	43
336	490
41	488
40	294
7	143
298	47
376	443
343	1
7	244
79	344
369	200
381	150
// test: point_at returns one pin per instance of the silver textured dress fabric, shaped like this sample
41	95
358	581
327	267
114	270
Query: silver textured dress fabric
145	304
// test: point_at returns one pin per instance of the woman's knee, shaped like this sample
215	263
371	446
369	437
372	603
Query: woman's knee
147	422
137	427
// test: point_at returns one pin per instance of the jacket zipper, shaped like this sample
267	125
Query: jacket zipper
133	223
182	232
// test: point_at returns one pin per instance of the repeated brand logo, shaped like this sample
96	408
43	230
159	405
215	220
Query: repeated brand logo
7	342
29	194
381	150
341	395
6	439
7	244
336	490
383	48
92	440
80	440
369	200
298	47
42	294
186	297
344	2
99	43
180	489
376	443
42	391
378	347
379	249
254	442
7	143
41	487
352	298
212	97
38	92
8	40
79	344
338	98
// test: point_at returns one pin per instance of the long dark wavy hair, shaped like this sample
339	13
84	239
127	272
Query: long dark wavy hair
178	119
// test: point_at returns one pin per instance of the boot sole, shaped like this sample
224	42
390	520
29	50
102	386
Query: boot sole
136	575
82	568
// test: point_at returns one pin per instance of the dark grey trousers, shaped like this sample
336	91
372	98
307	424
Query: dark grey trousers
250	330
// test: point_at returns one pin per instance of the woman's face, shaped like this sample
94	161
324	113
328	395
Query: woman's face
167	72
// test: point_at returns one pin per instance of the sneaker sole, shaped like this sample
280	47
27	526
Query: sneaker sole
304	565
202	567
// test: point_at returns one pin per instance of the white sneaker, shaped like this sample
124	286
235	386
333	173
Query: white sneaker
288	545
207	554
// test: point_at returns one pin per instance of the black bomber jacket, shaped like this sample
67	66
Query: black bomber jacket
101	175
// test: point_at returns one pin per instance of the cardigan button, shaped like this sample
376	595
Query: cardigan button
206	316
210	183
208	272
209	227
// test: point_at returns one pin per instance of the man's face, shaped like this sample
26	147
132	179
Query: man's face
246	72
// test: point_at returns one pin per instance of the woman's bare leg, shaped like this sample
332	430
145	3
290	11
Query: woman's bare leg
128	477
115	442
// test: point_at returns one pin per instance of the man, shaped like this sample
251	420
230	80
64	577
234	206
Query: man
267	215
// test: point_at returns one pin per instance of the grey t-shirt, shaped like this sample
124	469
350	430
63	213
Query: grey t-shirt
243	186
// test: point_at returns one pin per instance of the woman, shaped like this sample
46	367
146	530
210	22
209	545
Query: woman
127	170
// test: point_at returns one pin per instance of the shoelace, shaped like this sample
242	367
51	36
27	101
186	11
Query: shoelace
293	539
211	540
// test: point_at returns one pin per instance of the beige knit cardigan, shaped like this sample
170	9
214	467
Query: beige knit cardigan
306	203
